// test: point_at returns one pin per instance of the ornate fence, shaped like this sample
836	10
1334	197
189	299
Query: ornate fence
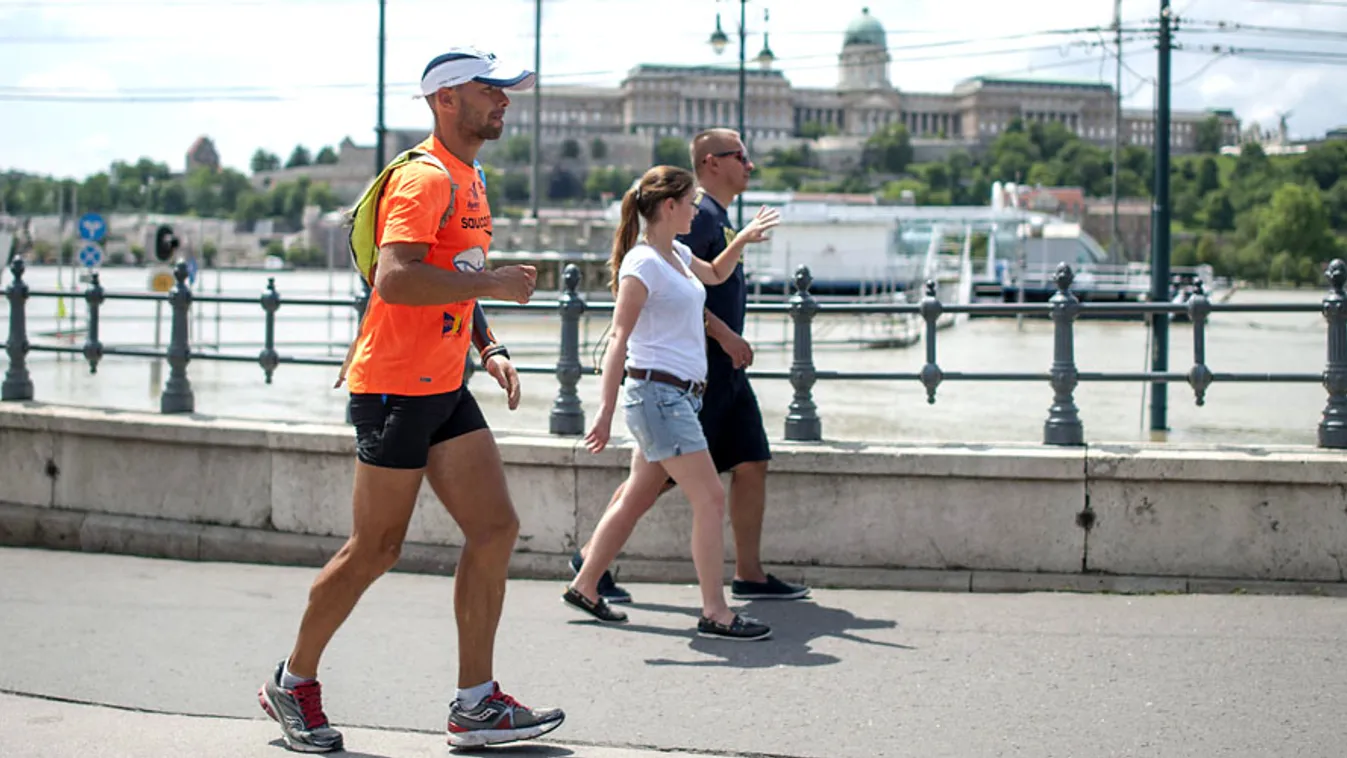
1062	426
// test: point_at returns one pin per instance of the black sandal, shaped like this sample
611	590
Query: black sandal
598	609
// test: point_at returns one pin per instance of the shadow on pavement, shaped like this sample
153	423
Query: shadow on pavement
795	626
531	750
528	750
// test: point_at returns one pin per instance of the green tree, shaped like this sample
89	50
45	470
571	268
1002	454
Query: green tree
672	151
1219	212
1335	202
598	149
519	149
251	208
1208	176
264	161
493	187
1207	138
1013	155
888	151
202	194
1325	164
321	195
326	157
570	149
299	157
1208	251
564	185
1252	162
1051	138
515	187
812	130
611	180
800	156
1296	222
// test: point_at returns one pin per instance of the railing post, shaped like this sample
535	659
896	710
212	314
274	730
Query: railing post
1063	426
177	396
93	348
931	309
802	421
18	384
271	300
568	417
1333	427
1199	376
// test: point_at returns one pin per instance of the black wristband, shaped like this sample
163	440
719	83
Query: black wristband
494	350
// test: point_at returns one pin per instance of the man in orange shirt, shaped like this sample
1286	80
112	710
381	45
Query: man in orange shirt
415	419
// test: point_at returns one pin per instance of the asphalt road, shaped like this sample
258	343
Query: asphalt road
849	674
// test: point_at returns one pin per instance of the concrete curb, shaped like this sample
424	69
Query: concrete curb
57	529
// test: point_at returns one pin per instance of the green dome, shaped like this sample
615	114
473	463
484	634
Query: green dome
865	31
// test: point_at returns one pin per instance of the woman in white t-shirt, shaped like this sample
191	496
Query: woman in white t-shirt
657	352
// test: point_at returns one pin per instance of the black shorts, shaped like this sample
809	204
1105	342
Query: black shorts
731	419
397	431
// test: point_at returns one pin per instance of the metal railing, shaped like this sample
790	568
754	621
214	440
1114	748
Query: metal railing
802	423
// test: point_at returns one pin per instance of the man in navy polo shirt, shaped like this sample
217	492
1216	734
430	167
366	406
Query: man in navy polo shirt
730	415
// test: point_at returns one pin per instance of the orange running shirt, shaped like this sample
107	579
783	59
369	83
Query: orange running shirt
421	349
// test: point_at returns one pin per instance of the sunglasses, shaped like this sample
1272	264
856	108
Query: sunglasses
738	155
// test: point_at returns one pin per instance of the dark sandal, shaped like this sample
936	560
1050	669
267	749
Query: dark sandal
598	609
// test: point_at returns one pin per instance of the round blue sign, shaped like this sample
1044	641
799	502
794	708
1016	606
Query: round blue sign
91	255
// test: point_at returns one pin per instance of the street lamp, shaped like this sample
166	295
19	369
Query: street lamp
718	43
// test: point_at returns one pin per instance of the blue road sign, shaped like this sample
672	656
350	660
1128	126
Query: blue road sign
92	227
91	254
191	270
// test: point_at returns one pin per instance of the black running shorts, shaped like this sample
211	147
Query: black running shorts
732	420
397	431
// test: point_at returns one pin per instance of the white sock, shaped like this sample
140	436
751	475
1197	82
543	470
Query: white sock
470	697
288	680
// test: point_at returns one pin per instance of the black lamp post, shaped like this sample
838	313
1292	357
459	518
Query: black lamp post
719	41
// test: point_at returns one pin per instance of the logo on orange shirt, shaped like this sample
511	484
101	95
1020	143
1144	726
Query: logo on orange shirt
471	260
474	198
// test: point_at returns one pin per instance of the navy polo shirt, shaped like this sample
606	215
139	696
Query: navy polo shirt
711	233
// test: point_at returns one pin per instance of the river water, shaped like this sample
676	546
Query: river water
1243	413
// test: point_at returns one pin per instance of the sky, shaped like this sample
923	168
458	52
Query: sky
87	82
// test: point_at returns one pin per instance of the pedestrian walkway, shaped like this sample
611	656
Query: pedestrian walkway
38	727
848	674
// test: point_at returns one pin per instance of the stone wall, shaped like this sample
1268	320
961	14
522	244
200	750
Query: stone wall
931	516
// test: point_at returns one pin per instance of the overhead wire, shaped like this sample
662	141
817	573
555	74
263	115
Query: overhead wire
271	93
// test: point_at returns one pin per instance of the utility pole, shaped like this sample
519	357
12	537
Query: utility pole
537	121
379	142
743	38
1160	234
1117	120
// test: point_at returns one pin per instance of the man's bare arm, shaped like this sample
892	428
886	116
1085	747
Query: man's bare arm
403	277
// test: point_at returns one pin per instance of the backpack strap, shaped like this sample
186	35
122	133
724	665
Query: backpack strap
419	156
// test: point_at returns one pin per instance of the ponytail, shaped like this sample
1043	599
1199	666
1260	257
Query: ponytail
624	239
657	185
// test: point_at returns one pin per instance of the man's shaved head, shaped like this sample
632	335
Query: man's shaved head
710	142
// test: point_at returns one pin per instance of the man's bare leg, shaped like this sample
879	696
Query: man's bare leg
468	476
382	504
748	502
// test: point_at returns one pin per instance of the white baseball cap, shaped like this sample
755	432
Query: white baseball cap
467	64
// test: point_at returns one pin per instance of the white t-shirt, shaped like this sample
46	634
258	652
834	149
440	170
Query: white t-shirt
670	333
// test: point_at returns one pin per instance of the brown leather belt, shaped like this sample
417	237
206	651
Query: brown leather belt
655	375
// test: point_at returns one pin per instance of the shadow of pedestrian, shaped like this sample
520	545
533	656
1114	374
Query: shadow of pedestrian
532	750
529	750
795	627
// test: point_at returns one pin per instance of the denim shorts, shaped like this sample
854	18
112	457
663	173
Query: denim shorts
662	418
